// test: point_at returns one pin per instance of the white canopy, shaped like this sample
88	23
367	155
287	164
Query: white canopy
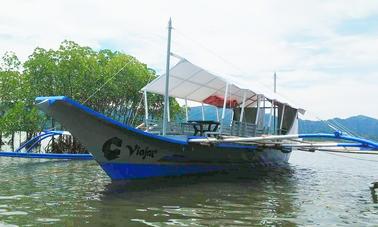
188	81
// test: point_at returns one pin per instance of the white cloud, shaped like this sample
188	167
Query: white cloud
316	66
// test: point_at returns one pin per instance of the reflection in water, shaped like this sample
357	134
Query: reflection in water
259	197
316	189
373	189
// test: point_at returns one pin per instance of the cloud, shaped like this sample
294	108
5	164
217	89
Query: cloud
323	57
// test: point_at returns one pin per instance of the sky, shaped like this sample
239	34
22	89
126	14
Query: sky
325	53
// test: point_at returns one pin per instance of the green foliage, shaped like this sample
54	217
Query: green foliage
107	81
21	118
10	62
16	114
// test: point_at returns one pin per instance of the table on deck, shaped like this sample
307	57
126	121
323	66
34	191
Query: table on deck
200	127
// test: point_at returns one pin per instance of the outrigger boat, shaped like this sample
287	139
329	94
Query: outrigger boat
191	147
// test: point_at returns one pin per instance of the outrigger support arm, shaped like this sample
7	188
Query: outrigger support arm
359	142
35	140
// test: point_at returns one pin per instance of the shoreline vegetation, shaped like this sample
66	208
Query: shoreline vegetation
106	81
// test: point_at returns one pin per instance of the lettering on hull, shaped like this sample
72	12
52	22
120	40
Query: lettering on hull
109	152
146	152
112	150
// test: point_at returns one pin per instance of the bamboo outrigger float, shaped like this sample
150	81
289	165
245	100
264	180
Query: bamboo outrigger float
194	146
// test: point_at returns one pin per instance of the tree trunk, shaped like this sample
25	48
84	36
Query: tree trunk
12	141
1	140
19	138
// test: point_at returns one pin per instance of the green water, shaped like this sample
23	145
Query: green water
315	189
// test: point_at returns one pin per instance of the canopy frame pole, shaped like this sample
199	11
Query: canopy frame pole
202	111
229	95
217	112
145	109
186	110
275	119
282	116
258	110
263	118
169	111
243	106
166	94
270	116
224	107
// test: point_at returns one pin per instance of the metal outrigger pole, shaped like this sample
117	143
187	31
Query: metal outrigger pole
274	107
166	94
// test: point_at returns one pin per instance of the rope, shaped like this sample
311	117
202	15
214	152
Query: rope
208	50
344	156
326	123
336	127
346	129
106	82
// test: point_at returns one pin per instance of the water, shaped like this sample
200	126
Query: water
315	189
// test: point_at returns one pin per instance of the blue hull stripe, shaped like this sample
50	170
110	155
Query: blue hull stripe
124	171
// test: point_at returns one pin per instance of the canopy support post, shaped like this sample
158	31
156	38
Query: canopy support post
270	116
243	106
166	95
145	109
264	112
202	111
282	117
274	108
186	110
275	119
224	107
217	112
258	110
169	111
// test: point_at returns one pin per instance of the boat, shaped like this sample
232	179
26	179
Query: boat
26	149
166	148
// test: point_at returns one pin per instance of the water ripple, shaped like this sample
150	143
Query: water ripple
318	190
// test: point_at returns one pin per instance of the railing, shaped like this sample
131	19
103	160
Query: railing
173	128
243	129
236	128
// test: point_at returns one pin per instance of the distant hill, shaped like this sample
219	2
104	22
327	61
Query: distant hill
195	113
360	125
